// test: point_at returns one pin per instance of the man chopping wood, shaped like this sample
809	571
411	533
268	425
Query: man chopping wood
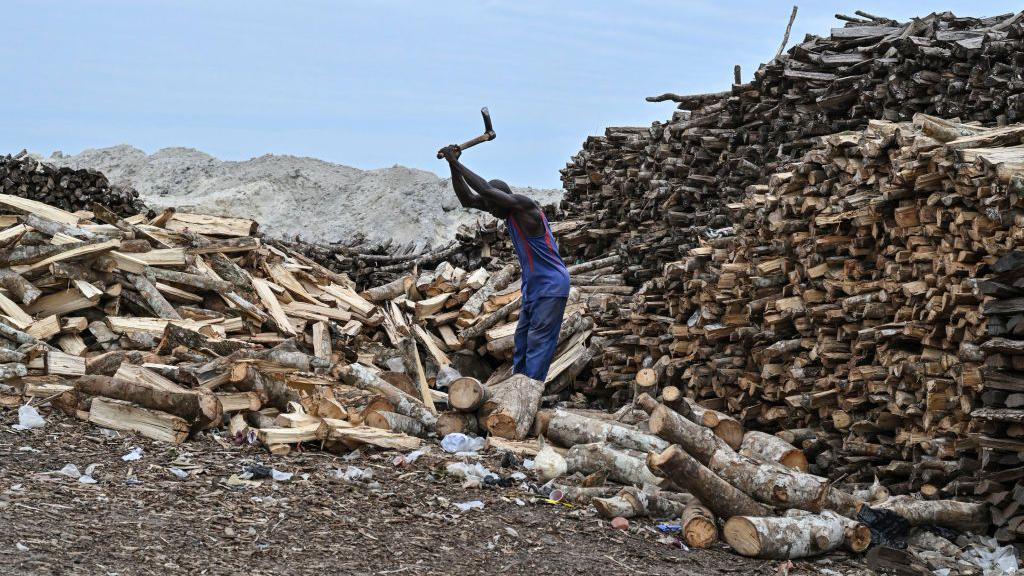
545	279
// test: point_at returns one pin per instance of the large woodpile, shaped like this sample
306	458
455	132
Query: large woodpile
66	188
164	325
652	194
853	292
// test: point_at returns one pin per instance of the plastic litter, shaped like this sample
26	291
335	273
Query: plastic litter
528	463
548	463
445	376
409	458
257	472
280	476
458	443
86	479
21	547
471	505
135	454
354	474
28	418
71	471
179	473
395	364
992	558
474	472
667	528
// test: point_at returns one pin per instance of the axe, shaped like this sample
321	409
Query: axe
487	136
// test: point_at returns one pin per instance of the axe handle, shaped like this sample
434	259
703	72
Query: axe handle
485	137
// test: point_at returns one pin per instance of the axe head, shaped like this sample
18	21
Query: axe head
488	129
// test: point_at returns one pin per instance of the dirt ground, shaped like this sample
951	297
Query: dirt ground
140	518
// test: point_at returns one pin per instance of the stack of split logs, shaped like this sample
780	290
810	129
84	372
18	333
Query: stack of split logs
652	194
853	292
24	176
172	324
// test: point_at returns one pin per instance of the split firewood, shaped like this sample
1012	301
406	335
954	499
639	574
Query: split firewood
121	415
362	377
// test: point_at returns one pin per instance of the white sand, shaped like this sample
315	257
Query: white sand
294	196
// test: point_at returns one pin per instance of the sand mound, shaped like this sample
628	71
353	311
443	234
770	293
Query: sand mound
294	196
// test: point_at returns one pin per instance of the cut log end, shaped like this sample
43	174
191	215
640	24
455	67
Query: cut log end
466	394
741	534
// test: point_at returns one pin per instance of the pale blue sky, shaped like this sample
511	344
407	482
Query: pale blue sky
371	84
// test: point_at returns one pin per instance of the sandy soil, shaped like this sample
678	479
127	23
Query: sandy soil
295	196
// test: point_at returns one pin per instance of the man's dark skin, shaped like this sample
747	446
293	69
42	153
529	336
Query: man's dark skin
494	197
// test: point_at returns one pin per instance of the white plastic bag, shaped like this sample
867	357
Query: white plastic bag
28	418
471	505
458	443
135	454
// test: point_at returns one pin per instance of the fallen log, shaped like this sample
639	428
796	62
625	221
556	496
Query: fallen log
786	537
568	429
618	465
695	439
774	449
395	423
200	409
773	485
462	422
724	499
963	516
466	394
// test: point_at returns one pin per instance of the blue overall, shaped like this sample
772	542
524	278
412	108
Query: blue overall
545	288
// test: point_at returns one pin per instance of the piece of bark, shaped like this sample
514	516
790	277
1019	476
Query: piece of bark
724	499
774	449
511	406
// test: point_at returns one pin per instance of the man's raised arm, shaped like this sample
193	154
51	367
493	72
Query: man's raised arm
491	196
467	197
